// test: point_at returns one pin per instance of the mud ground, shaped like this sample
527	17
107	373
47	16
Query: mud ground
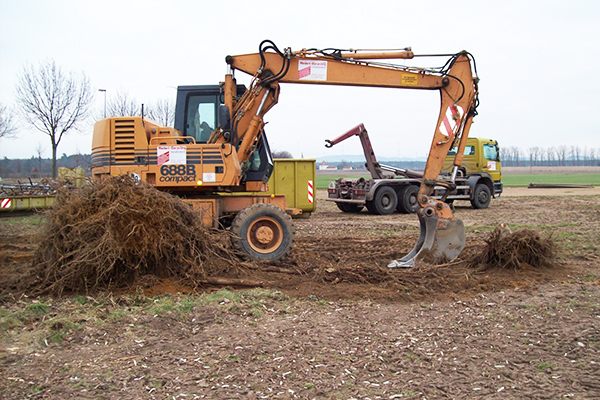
333	322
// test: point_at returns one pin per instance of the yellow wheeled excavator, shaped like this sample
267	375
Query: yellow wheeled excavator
218	150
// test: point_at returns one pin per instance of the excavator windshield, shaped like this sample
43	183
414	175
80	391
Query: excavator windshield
200	117
196	111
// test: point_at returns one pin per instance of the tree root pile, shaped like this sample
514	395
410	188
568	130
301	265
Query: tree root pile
108	236
506	249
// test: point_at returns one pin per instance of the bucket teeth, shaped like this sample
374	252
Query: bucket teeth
440	240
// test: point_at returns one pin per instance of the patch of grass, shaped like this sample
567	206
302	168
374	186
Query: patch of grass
256	313
543	366
479	228
56	337
162	305
22	225
8	321
520	180
38	308
81	300
186	305
116	315
252	303
36	390
221	297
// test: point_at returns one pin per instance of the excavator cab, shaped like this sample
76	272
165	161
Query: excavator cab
197	110
200	110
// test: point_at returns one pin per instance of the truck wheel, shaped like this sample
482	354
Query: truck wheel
349	207
262	232
481	196
408	202
384	202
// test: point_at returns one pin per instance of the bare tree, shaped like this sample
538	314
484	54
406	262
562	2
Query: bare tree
121	105
591	156
562	155
532	155
163	112
576	154
8	128
505	156
39	149
552	155
53	101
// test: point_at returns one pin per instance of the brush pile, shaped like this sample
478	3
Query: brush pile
516	250
112	234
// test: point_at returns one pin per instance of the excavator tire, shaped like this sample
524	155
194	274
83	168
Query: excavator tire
349	207
407	199
384	202
482	196
262	232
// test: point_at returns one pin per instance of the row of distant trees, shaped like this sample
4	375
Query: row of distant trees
56	102
39	167
550	156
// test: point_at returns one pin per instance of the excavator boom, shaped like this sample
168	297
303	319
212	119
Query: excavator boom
442	236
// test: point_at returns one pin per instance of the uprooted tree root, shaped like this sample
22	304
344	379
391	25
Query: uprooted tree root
505	249
109	235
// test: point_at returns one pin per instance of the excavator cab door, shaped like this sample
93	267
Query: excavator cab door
260	165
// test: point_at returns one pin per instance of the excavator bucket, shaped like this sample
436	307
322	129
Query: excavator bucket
440	240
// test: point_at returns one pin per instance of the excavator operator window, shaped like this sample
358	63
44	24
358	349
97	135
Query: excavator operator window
201	117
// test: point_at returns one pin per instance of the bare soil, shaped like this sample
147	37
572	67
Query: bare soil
331	321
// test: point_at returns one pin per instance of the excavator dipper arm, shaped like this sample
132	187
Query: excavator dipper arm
442	236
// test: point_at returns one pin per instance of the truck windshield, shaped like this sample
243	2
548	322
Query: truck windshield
490	152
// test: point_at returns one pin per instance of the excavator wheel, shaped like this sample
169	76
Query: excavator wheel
349	207
262	232
407	200
384	202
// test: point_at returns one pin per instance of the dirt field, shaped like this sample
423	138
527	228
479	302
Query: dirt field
334	322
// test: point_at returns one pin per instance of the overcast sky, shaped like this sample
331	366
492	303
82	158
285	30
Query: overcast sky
533	58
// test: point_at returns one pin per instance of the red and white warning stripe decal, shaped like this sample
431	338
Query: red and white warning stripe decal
310	191
450	123
6	203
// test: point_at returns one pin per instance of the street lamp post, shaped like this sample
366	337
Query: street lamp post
104	90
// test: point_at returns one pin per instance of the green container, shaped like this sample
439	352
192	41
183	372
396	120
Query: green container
296	179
